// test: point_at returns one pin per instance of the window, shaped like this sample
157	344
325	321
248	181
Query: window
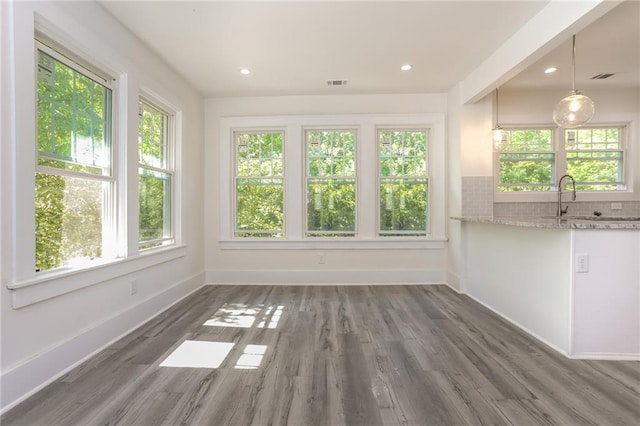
595	157
403	182
74	194
527	163
331	183
259	184
155	176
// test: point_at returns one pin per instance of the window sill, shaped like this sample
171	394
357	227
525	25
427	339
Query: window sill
47	285
378	244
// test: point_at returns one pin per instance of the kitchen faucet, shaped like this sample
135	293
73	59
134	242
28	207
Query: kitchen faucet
561	211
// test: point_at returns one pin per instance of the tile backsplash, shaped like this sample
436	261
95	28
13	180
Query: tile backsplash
576	208
477	196
477	200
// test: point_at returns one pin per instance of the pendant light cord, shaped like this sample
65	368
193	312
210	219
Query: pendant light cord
573	63
497	100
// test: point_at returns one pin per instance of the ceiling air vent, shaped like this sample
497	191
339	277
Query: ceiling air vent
336	82
601	76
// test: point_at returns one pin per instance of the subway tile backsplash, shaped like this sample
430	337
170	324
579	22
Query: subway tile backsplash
477	196
477	200
576	208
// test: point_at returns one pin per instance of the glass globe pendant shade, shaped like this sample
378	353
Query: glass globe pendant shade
501	138
574	110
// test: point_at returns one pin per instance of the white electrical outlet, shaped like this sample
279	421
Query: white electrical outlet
133	286
616	206
321	258
582	263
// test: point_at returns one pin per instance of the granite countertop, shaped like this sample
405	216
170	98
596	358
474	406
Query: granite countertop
566	222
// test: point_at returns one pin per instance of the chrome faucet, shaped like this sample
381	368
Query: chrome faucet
560	210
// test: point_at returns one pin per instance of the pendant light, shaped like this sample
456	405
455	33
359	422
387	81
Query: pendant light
501	137
576	109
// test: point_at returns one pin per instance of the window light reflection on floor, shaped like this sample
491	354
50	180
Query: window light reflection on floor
252	357
234	315
270	320
198	354
243	316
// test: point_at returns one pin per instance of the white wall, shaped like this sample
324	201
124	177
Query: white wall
41	340
524	275
355	265
477	149
606	299
593	314
536	107
454	189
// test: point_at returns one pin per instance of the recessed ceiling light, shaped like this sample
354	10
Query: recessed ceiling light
550	70
245	71
406	67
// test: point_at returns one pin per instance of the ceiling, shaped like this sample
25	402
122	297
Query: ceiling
294	47
609	45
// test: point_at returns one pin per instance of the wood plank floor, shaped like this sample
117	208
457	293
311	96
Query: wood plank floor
392	355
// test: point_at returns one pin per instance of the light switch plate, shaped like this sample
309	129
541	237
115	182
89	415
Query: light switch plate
582	263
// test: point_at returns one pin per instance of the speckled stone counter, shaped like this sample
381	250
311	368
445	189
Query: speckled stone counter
556	223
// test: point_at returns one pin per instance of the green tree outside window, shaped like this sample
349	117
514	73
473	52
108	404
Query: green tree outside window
331	183
155	177
259	184
73	172
404	184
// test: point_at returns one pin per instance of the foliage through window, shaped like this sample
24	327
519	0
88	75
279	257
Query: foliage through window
74	179
403	182
155	177
594	156
528	162
331	183
259	184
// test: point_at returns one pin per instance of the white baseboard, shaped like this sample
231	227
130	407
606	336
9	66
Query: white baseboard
24	380
607	357
585	356
326	277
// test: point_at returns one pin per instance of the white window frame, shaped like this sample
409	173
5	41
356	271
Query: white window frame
308	178
554	166
28	287
622	128
109	233
559	168
426	177
169	169
366	192
234	203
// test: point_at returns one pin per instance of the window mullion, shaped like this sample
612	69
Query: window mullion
72	173
155	169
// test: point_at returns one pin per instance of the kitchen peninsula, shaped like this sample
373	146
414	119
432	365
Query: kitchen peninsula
573	283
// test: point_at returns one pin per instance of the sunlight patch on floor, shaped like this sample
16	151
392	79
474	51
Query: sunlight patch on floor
198	354
242	316
252	357
234	315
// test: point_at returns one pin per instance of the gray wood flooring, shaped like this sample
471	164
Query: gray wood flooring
392	355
